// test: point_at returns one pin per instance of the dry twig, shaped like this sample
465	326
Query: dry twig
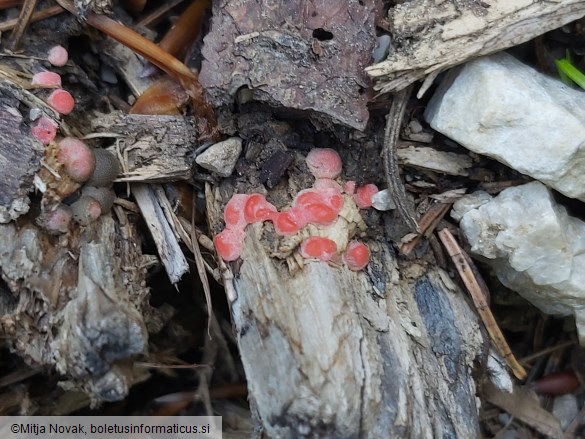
393	125
478	296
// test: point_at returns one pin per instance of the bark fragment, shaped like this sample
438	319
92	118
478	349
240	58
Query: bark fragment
296	54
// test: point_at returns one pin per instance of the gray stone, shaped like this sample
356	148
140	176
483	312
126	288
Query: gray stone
469	202
222	157
565	409
503	109
534	247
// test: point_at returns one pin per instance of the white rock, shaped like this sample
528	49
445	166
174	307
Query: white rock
565	408
382	200
534	247
221	157
503	109
468	202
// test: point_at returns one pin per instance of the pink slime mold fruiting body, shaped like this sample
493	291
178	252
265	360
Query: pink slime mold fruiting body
44	129
86	210
319	207
327	183
233	215
61	101
46	79
77	158
349	187
258	209
363	195
288	223
320	248
57	221
229	243
58	56
356	256
324	163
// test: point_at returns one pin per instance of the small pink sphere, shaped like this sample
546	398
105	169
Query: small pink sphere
349	187
77	158
58	56
356	256
318	206
61	101
363	195
46	79
233	215
288	222
44	129
258	209
57	221
324	163
86	210
320	248
229	243
327	183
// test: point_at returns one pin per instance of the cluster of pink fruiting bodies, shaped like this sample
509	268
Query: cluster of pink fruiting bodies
45	129
319	205
84	165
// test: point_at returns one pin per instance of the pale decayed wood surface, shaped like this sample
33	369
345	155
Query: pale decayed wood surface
77	302
431	36
330	353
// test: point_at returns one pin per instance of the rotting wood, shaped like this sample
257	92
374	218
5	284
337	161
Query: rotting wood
154	148
434	160
299	55
430	36
524	405
20	157
170	252
330	353
77	302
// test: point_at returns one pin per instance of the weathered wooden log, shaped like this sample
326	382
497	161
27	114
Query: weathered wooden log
294	54
20	158
430	36
330	353
76	302
154	148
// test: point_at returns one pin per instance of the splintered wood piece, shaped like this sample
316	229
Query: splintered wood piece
478	295
431	36
390	159
154	148
427	224
170	252
523	404
20	157
350	349
136	42
76	303
50	11
24	19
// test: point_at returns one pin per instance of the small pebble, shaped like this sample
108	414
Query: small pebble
382	48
